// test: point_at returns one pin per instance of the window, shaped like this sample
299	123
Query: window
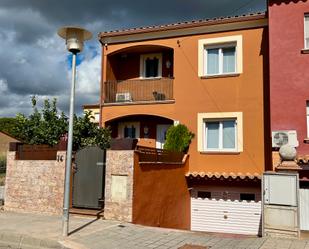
247	197
151	65
129	130
220	56
220	132
306	31
220	60
220	135
203	194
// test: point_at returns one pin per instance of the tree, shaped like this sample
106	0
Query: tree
41	127
7	125
87	133
178	138
48	126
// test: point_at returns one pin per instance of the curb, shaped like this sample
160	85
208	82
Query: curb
21	241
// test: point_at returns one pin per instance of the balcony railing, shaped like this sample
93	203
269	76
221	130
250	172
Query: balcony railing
138	90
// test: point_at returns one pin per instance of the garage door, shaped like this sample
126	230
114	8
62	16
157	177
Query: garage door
226	215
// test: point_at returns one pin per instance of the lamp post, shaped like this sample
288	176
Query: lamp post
74	37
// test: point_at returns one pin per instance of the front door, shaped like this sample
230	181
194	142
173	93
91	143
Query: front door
161	135
88	178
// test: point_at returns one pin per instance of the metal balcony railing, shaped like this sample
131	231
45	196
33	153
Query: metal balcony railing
138	90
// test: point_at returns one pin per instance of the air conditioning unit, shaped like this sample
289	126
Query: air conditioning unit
123	97
280	138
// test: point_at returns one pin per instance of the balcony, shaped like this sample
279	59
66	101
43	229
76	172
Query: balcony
138	91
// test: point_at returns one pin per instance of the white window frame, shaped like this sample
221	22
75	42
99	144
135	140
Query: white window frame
220	42
220	48
122	125
220	147
142	67
306	35
219	116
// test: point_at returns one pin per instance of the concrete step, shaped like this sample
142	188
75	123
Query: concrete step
87	212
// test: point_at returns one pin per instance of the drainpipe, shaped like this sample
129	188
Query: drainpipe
104	45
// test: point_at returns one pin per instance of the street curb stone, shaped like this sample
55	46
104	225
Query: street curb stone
23	241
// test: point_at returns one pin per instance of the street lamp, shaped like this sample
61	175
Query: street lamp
74	37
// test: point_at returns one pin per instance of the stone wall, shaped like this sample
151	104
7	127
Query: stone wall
119	185
35	185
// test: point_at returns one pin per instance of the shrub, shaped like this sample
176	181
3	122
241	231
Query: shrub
2	163
178	138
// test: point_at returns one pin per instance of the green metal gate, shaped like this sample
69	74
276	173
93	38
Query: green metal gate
89	178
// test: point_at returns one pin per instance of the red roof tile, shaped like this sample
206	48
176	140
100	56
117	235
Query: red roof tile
224	175
186	24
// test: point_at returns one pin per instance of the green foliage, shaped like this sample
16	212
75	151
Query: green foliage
178	138
2	169
7	125
48	125
87	133
41	127
2	179
2	163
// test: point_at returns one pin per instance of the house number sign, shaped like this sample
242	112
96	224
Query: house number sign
59	158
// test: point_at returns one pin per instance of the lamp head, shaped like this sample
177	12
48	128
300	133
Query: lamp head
74	37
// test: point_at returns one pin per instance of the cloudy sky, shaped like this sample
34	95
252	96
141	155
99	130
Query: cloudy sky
34	61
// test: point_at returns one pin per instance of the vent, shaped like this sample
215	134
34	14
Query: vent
123	97
280	138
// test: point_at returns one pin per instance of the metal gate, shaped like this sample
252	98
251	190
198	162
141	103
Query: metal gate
89	178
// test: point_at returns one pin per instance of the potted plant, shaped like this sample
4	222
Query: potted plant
178	138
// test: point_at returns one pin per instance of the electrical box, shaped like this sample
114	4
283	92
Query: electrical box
281	189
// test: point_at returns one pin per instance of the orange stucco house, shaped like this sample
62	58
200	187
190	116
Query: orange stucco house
212	76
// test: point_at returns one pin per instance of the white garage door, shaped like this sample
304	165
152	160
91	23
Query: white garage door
226	216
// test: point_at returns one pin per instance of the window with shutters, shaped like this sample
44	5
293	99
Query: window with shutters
129	129
151	65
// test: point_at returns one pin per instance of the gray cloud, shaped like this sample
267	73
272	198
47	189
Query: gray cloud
34	60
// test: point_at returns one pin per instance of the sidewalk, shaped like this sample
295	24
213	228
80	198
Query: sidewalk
45	232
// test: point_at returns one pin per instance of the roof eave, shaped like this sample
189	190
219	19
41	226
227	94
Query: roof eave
177	26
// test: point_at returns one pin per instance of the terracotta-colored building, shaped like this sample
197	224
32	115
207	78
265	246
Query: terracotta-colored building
212	76
289	74
289	89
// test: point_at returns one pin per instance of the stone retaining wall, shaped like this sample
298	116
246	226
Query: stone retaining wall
119	185
35	185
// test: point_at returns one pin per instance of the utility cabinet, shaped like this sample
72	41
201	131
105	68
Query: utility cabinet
280	204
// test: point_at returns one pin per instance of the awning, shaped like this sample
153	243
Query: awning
223	175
